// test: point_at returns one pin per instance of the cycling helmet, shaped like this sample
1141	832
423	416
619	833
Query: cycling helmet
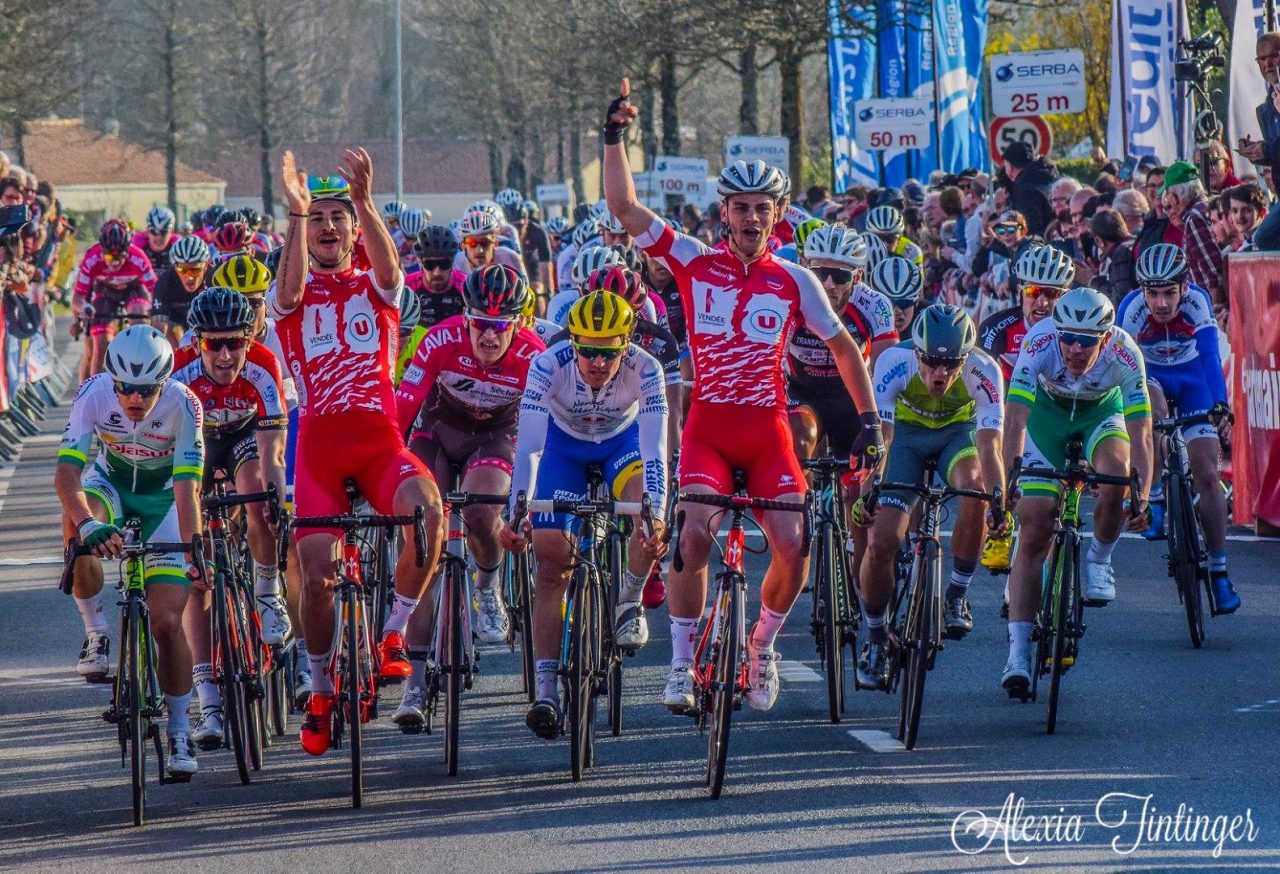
630	257
252	218
487	206
1044	265
804	229
189	250
272	259
590	260
139	355
410	309
755	177
435	242
609	224
532	208
885	220
331	188
584	231
598	209
1086	310
944	331
913	193
601	314
898	279
889	197
219	308
232	237
1162	264
515	213
412	221
160	218
876	251
187	228
478	223
835	243
556	226
455	228
244	274
391	210
196	220
496	291
621	281
211	215
509	197
114	237
230	217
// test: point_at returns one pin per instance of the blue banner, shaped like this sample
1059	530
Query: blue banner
956	115
975	34
851	60
919	42
891	42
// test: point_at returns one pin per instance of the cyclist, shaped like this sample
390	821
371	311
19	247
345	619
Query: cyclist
240	389
588	261
1172	321
412	222
794	250
113	274
740	302
339	327
941	400
157	238
902	282
1078	376
584	235
817	400
479	231
438	285
595	398
391	214
232	237
149	465
886	223
186	276
458	401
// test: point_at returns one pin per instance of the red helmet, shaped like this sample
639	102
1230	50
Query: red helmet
114	237
622	282
232	237
496	290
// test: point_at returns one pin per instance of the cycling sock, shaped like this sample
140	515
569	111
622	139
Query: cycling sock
300	654
765	631
418	661
875	627
95	621
1217	561
401	609
179	719
321	680
632	588
486	577
1019	637
205	688
545	677
266	580
1099	551
961	577
683	634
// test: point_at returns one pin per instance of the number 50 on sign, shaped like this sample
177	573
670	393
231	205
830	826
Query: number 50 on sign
893	123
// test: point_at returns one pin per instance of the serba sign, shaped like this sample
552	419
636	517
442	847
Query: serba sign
1010	71
1034	83
882	112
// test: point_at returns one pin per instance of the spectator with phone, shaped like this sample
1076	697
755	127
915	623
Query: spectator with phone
1267	150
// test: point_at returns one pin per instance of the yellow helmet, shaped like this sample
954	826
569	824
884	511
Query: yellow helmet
601	314
245	274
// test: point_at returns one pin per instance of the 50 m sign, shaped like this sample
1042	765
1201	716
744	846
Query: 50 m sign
893	123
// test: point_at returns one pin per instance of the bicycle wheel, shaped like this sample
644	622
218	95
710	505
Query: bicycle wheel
828	580
278	692
610	654
1183	557
899	655
244	620
921	626
726	656
1064	583
581	675
355	687
228	671
133	692
453	668
523	586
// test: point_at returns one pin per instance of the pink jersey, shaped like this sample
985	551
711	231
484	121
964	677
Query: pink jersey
446	365
94	270
340	344
416	281
739	316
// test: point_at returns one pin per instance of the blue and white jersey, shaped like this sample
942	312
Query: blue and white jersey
1188	342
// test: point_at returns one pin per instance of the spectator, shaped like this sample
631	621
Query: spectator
4	165
1245	207
818	200
1132	207
1106	183
691	218
1115	272
853	203
1156	227
1221	174
1267	150
1224	232
951	202
1030	179
1060	196
1183	197
11	191
1010	239
976	208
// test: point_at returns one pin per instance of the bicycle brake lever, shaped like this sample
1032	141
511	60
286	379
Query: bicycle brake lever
419	536
677	560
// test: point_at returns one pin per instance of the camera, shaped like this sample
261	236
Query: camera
1200	55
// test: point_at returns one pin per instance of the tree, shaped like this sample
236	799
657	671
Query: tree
37	42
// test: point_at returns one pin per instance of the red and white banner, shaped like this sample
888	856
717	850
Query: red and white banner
1254	280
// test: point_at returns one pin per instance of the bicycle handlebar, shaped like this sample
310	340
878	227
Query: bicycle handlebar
744	502
131	551
270	496
825	465
351	522
1079	476
459	500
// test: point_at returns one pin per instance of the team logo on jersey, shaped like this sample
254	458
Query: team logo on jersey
413	374
320	330
765	317
712	308
361	333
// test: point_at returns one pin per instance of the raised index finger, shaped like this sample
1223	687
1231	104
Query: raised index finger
625	91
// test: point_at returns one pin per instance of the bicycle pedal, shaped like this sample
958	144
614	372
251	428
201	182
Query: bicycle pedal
1089	603
98	679
175	778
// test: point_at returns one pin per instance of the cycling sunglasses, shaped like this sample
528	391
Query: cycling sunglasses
1041	291
1086	341
592	353
942	362
190	269
113	259
479	242
484	323
1005	229
436	264
143	391
217	344
838	275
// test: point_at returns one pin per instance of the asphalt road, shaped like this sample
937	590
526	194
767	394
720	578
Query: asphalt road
1143	715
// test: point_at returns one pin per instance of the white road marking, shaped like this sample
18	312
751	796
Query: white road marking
798	672
23	562
877	741
1254	708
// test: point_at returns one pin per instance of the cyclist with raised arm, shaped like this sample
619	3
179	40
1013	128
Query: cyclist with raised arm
149	466
339	327
113	274
1172	321
941	400
740	302
1079	376
186	276
595	398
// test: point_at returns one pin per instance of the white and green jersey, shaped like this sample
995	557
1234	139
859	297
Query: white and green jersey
1119	370
147	456
977	396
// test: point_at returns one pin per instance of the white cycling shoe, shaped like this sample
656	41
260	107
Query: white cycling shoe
94	657
182	758
1100	582
762	677
409	715
678	694
208	733
492	623
275	619
632	629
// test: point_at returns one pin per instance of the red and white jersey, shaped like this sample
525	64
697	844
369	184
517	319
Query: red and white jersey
739	316
445	369
340	343
256	397
94	270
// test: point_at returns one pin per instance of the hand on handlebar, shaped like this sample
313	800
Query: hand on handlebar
654	548
102	537
516	539
1139	516
999	528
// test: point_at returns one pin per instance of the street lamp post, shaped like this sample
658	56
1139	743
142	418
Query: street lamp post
399	114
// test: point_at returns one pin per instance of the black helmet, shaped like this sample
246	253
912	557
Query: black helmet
220	309
272	259
630	257
435	242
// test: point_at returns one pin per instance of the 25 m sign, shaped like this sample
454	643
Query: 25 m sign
1038	83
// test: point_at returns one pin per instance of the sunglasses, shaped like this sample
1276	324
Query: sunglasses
940	362
479	242
1006	229
142	391
218	344
1086	341
189	269
255	303
483	323
436	264
113	259
904	304
592	353
838	275
1041	291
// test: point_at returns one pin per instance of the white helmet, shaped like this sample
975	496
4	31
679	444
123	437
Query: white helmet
189	250
584	231
456	227
509	197
487	206
1084	309
590	260
876	251
898	279
139	355
410	309
1162	264
160	218
478	223
556	225
755	177
609	224
599	208
412	221
885	220
1045	265
392	209
837	243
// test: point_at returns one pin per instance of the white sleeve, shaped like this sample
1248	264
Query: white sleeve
815	308
892	373
985	382
390	296
653	430
531	435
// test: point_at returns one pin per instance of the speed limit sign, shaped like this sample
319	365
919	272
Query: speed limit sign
1030	129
